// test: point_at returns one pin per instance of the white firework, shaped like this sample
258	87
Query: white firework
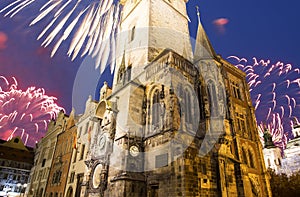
91	24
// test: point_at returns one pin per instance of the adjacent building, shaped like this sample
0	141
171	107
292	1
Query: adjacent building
44	155
59	170
16	160
291	158
87	125
177	123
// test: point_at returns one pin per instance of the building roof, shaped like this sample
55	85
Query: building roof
15	150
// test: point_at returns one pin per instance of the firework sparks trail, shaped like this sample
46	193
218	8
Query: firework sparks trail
274	89
91	25
24	113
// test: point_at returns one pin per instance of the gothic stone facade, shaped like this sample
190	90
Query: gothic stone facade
160	152
176	123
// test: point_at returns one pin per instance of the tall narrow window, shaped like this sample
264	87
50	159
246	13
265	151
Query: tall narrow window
244	155
251	159
82	152
155	108
75	155
201	103
80	130
187	106
86	128
132	34
72	177
129	72
212	95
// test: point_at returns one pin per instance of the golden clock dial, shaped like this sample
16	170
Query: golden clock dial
134	150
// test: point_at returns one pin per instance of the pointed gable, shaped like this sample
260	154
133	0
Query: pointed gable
15	143
71	120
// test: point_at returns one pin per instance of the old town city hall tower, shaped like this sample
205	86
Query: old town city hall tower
176	122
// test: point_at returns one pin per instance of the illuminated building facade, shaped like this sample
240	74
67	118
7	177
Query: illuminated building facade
175	123
16	160
58	173
44	155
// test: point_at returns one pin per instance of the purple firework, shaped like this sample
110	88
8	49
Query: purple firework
274	89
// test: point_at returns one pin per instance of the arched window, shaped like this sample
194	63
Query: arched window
155	109
201	103
187	106
70	192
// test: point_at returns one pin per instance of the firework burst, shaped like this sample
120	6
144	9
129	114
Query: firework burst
274	88
25	113
275	127
92	25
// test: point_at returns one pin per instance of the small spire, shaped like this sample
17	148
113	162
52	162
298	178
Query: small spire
203	48
198	13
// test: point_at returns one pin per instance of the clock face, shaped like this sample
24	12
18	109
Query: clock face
102	142
134	151
97	175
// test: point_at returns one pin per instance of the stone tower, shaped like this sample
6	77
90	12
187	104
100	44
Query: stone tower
175	123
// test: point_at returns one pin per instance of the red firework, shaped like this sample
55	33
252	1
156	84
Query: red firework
25	113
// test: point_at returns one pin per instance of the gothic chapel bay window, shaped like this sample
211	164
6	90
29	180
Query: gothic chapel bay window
213	99
156	119
155	108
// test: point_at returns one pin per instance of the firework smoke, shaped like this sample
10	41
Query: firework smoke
25	113
92	25
274	89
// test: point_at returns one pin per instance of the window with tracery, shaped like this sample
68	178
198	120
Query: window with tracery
155	109
213	100
188	110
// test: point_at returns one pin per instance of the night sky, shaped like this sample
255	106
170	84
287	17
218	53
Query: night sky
262	29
